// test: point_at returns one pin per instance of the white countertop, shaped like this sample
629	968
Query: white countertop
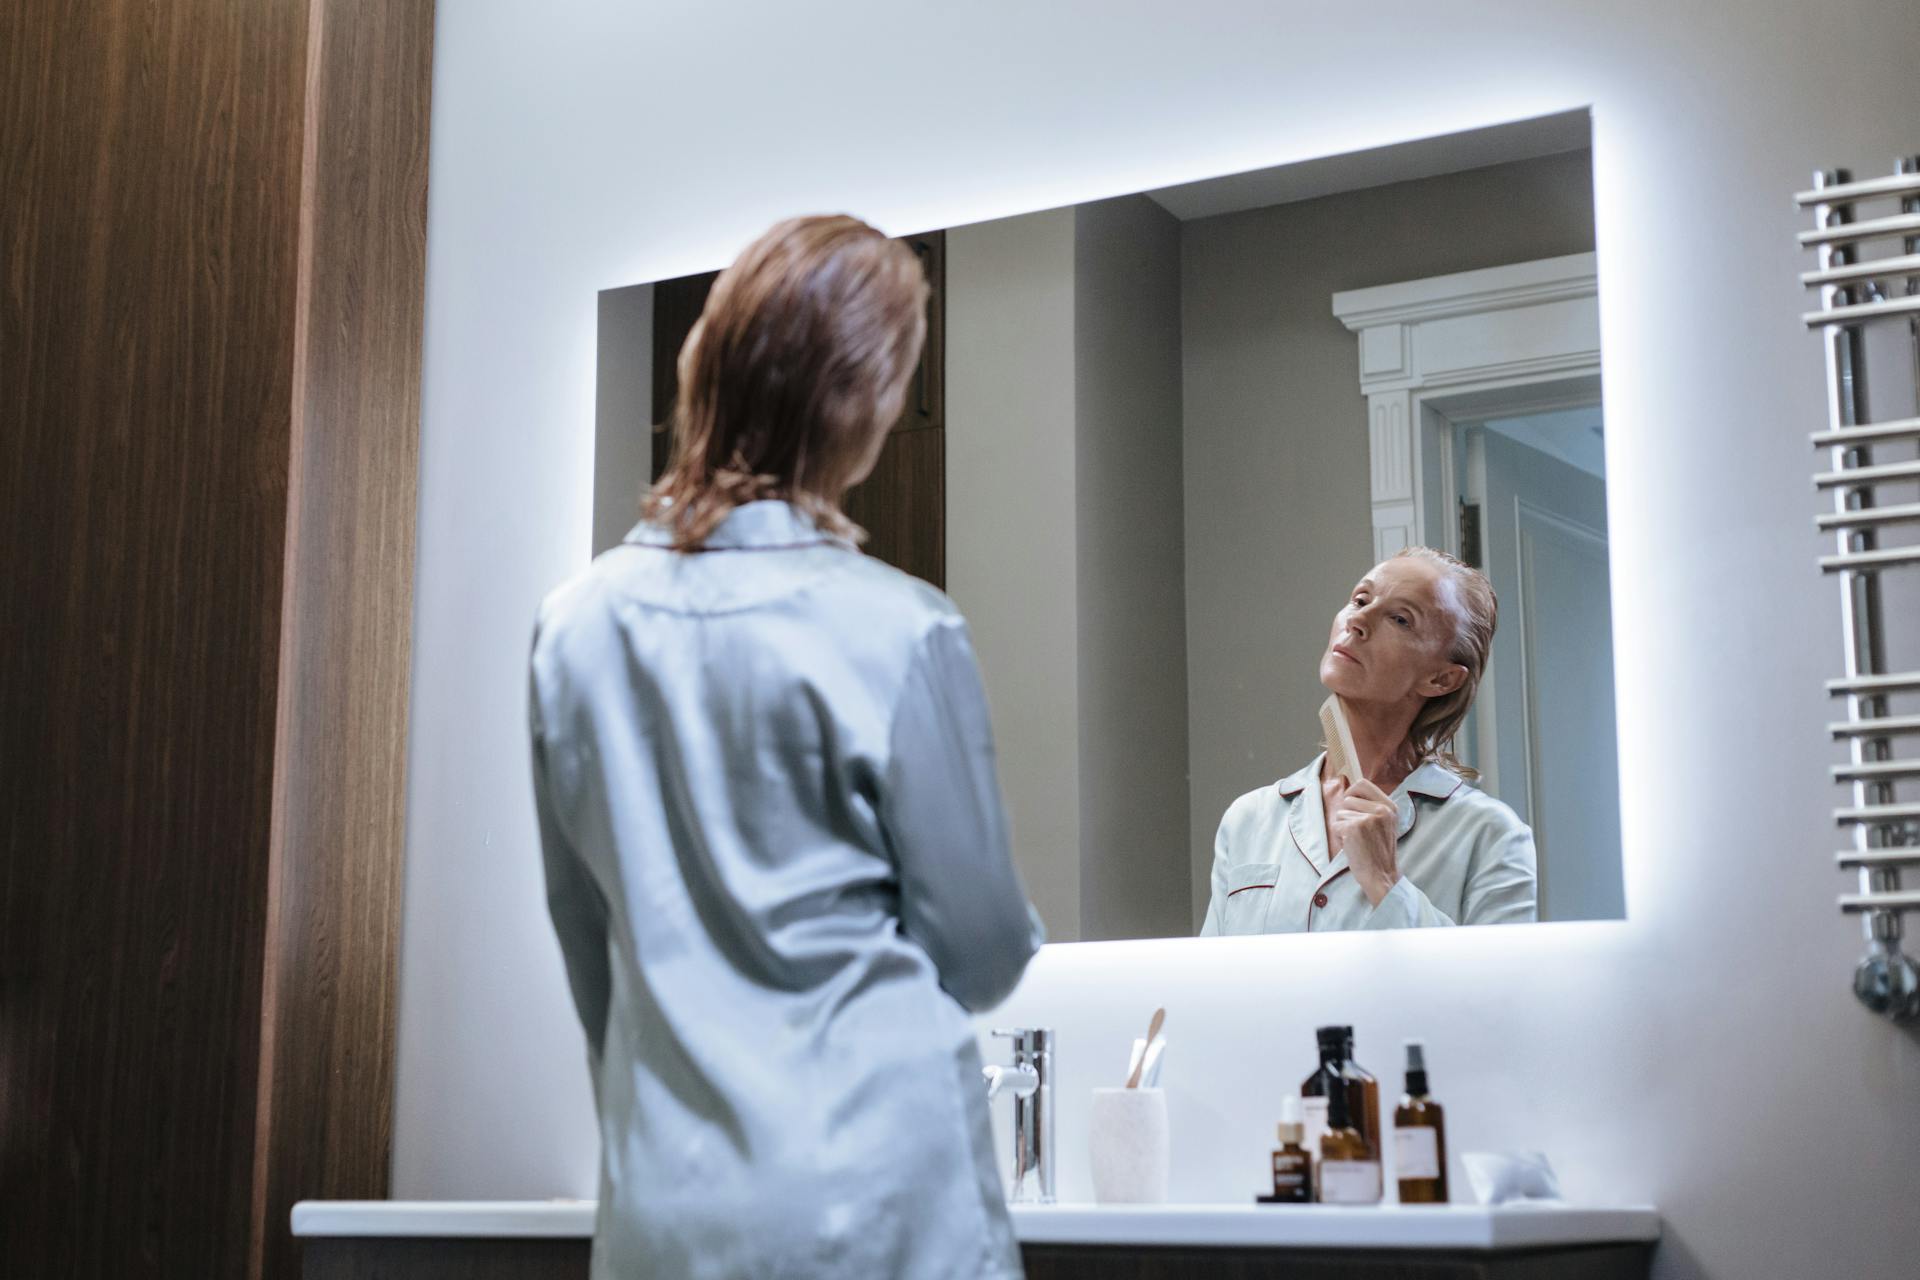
1231	1225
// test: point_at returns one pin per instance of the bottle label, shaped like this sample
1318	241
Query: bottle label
1314	1112
1289	1174
1349	1182
1416	1152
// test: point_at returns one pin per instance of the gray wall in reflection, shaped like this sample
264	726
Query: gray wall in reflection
1011	531
622	411
1064	549
1131	583
1275	467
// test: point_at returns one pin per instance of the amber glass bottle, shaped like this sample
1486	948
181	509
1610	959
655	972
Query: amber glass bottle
1419	1137
1349	1170
1313	1090
1363	1091
1363	1094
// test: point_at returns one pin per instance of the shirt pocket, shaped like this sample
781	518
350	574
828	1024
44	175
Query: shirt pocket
1250	890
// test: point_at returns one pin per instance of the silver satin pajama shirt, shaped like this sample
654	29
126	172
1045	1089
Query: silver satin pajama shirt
1464	857
778	867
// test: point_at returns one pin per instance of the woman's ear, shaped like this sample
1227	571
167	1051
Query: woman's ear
1446	680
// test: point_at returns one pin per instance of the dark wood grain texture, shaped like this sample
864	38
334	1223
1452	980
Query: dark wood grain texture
927	397
1090	1262
332	941
150	165
394	1259
506	1259
903	504
152	356
677	305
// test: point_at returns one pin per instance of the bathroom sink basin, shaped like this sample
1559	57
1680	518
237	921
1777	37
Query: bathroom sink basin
1224	1225
1335	1226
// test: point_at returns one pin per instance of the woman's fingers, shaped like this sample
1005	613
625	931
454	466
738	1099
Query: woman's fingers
1360	807
1369	791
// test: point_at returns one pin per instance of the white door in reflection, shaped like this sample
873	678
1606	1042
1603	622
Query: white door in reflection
1545	728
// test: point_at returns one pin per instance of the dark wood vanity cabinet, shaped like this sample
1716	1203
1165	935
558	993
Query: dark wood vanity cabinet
903	504
336	1258
432	1258
1117	1262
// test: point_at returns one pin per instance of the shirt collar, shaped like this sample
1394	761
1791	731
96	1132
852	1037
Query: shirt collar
766	525
1308	823
1431	779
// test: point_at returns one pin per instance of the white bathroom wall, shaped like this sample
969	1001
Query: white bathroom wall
1705	1054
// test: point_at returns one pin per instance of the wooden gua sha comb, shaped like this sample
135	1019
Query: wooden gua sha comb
1341	757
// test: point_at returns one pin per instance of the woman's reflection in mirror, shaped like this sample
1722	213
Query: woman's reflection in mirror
1413	842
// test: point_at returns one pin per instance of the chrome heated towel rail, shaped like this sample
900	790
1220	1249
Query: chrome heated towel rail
1873	459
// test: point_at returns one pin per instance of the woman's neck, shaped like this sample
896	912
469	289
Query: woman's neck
1380	741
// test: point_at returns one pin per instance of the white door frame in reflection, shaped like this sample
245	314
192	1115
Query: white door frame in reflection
1444	350
1525	337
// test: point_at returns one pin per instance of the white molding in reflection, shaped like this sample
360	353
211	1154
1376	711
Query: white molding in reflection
1495	330
1467	293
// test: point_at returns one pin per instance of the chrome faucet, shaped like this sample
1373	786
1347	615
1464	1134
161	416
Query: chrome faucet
1030	1081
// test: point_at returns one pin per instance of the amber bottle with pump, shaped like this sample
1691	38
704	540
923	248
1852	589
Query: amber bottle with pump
1419	1137
1363	1091
1349	1170
1292	1167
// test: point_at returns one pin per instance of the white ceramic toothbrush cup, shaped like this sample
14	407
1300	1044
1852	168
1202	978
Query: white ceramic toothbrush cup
1127	1142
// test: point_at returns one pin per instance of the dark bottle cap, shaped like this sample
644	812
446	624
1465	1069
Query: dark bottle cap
1334	1039
1416	1069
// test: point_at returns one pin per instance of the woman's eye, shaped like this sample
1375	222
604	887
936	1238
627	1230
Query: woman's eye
1400	618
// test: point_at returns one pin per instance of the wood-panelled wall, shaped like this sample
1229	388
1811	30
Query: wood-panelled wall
211	275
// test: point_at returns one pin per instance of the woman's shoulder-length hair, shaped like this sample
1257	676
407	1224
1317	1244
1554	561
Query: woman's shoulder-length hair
789	380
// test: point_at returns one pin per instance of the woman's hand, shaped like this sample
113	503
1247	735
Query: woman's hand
1368	826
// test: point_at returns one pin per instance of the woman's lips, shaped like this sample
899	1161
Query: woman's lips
1347	654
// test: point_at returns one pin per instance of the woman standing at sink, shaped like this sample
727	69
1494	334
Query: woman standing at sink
775	852
1412	842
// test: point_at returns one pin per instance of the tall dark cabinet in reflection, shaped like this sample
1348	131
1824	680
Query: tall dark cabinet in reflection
903	504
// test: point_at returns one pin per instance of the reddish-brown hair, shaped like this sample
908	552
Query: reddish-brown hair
793	373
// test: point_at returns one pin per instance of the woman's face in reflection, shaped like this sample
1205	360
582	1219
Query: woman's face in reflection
1390	641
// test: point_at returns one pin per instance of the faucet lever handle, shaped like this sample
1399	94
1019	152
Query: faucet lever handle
1019	1081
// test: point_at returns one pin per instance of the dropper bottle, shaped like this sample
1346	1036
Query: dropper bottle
1292	1167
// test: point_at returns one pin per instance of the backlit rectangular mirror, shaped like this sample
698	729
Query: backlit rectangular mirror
1166	451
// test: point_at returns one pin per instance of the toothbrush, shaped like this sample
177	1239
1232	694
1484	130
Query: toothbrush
1153	1030
1150	1068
